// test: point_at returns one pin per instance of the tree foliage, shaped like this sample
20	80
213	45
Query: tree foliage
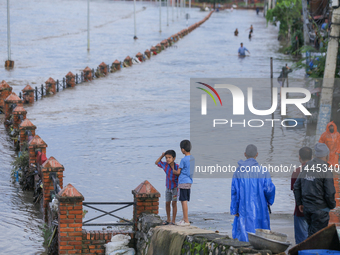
288	13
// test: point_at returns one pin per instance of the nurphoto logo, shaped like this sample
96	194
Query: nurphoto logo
239	104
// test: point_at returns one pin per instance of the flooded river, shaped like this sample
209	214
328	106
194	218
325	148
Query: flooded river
144	108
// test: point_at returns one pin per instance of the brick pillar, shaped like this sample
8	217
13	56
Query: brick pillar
158	48
169	41
33	145
5	91
147	53
50	86
87	74
19	115
103	68
11	102
128	61
26	125
115	66
70	80
146	199
164	44
51	166
140	57
153	50
70	217
28	95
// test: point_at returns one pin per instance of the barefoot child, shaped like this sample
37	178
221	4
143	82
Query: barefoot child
171	184
185	180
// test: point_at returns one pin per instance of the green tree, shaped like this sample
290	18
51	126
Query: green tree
288	13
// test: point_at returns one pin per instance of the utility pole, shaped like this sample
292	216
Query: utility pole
88	25
173	6
326	99
167	12
305	22
134	17
160	16
8	63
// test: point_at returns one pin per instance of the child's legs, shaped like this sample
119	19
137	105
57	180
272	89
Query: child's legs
167	208
185	211
168	198
184	197
174	211
174	204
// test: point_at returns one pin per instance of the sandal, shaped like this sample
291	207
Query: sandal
165	223
171	223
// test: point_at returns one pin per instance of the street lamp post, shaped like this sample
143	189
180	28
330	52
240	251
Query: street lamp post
88	25
167	12
134	16
160	16
8	63
173	6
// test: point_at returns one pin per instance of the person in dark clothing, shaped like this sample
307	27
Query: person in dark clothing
300	223
284	75
314	190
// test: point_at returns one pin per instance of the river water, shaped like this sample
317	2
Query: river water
144	108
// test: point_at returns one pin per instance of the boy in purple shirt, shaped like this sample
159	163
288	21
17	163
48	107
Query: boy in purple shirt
171	184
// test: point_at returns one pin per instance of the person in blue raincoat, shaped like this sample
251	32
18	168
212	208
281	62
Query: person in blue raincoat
252	191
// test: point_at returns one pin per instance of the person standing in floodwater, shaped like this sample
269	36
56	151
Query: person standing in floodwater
236	32
242	51
251	29
300	223
331	138
252	191
314	190
284	75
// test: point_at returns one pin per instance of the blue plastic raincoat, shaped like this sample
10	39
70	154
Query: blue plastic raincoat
251	192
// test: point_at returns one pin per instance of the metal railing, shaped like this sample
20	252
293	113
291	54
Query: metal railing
40	92
123	222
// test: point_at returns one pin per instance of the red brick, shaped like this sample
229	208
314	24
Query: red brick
66	238
79	216
92	247
78	207
75	243
66	229
73	225
77	212
62	216
78	238
75	234
66	221
63	225
100	251
155	203
65	247
62	234
63	243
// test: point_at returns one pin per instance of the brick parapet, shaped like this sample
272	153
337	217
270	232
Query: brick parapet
93	241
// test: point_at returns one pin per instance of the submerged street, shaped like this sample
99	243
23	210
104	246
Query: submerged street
108	133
